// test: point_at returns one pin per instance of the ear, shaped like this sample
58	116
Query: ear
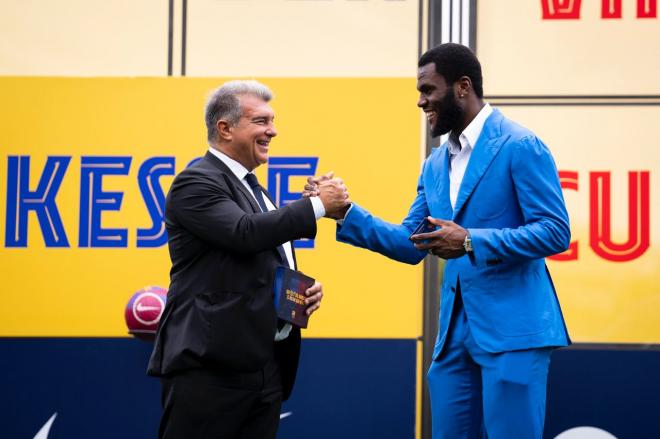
463	86
224	130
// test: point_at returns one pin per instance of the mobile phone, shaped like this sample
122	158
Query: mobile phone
423	227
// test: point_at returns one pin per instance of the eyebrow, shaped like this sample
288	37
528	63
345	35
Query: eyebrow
260	117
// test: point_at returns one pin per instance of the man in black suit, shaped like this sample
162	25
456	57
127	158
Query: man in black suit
225	362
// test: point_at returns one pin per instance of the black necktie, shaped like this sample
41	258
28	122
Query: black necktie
259	195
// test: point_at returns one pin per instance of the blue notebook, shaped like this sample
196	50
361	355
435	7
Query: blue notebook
290	287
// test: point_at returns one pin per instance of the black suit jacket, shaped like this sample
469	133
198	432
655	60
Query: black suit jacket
220	313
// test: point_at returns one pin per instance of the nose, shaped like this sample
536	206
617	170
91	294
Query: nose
271	131
422	101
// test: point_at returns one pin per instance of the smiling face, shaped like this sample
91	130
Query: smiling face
251	136
438	100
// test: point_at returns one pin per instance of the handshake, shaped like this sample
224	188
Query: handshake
332	193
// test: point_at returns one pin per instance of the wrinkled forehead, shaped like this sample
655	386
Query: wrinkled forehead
427	74
255	106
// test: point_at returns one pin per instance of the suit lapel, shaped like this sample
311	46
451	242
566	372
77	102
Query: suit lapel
293	253
267	194
248	196
440	174
281	253
488	145
236	182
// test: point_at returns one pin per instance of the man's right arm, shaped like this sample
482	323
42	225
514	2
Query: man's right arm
361	229
208	210
364	230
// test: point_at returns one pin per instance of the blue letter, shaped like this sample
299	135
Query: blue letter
20	200
279	171
154	199
193	161
93	201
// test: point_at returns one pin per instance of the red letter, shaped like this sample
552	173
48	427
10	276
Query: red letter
561	9
647	8
638	217
611	9
568	180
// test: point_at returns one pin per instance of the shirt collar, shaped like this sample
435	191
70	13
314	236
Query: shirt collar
239	170
471	133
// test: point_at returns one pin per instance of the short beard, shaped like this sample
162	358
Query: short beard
448	115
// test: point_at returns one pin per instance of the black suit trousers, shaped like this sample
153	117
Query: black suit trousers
213	404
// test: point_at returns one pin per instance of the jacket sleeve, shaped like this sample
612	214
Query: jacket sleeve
362	229
546	229
208	210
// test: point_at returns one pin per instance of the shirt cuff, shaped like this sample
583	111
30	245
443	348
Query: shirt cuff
340	222
283	333
319	208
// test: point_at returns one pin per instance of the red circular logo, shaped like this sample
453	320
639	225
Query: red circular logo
147	308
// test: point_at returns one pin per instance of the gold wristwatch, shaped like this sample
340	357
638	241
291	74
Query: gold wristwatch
467	244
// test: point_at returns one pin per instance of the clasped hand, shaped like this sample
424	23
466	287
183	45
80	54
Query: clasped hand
445	242
331	191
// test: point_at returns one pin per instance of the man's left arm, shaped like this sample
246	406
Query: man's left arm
546	229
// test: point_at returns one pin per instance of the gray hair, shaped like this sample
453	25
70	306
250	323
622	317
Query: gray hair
223	103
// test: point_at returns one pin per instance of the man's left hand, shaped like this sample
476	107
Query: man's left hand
446	242
314	295
312	186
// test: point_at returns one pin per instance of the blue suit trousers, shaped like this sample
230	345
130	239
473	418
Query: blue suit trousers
478	394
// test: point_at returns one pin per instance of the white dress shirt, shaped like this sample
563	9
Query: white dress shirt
459	154
240	172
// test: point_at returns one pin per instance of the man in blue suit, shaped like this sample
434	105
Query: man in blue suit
492	190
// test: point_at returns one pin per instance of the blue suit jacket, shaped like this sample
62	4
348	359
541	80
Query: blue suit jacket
511	202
